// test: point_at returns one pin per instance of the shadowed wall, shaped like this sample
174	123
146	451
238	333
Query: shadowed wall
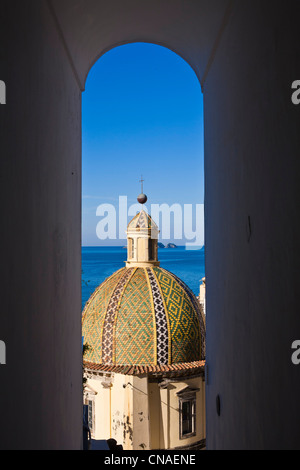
245	55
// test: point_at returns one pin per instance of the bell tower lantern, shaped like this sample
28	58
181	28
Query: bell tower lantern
142	238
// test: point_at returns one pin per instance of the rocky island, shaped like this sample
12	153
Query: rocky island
170	245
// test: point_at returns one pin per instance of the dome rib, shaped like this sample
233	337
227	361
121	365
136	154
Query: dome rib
116	314
94	314
104	317
184	321
107	338
153	315
163	336
196	307
135	329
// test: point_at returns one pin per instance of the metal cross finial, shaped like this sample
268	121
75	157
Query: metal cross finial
142	182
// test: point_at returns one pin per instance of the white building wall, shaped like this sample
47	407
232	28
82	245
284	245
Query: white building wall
165	416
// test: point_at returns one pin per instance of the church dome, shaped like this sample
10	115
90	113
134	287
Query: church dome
143	316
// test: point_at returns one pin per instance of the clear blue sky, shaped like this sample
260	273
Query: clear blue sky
142	115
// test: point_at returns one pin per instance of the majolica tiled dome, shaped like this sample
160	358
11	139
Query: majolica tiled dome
143	316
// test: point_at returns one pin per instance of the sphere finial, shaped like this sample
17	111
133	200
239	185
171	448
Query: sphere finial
142	198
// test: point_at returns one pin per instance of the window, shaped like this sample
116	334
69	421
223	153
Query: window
91	415
150	244
187	413
131	248
187	418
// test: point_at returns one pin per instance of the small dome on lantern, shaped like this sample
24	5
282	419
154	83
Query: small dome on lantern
142	198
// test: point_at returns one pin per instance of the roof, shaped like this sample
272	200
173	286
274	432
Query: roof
142	221
143	317
177	370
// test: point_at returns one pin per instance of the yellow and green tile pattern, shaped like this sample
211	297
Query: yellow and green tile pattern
143	316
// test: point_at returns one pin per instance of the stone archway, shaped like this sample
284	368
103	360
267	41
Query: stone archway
246	57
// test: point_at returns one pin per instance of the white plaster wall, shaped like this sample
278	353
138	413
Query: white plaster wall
252	143
102	409
121	409
40	272
164	414
155	414
112	403
140	414
165	419
252	170
92	27
175	441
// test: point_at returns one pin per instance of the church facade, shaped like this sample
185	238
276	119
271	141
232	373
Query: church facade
145	363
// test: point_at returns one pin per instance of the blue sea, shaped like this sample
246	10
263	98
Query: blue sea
98	263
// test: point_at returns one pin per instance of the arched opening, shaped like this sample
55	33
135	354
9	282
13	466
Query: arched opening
143	114
246	55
